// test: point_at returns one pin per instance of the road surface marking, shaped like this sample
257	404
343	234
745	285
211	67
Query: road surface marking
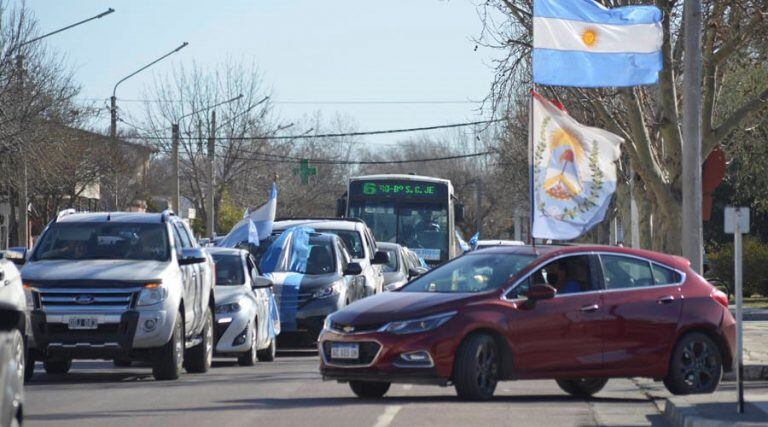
386	418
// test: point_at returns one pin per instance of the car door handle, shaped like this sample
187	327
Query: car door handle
666	300
589	308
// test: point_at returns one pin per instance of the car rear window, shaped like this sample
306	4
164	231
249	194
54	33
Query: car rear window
622	272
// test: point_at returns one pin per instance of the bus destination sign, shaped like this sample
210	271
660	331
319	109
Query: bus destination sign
392	188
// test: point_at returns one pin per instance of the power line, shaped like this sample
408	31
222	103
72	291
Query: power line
312	102
328	135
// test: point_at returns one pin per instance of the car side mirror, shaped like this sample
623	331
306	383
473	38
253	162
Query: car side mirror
541	292
261	282
16	257
192	256
353	269
380	257
414	272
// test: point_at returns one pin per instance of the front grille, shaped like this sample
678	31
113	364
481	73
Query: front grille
344	328
368	351
61	299
291	299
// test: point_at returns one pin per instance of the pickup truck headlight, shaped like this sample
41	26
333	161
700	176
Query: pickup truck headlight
414	326
29	296
233	307
330	291
152	293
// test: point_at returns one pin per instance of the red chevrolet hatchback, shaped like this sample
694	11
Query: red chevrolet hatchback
576	314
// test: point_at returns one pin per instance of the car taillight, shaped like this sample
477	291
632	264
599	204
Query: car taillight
720	297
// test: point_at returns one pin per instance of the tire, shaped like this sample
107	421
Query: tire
696	365
122	362
57	366
199	358
268	354
582	387
170	357
20	354
249	358
476	370
369	389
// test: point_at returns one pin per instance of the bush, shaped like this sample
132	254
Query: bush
755	268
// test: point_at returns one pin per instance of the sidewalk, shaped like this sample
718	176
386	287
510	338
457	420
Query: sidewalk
755	352
718	409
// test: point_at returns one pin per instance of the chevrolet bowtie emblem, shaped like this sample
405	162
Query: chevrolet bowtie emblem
348	328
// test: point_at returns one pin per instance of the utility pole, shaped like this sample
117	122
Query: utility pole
478	205
176	205
693	241
113	141
23	224
210	229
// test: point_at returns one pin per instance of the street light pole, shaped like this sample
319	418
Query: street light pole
693	241
23	202
113	115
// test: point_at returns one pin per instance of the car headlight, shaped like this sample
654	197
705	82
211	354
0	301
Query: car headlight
152	293
232	307
414	326
29	296
330	291
327	323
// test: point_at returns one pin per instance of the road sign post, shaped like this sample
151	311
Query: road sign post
737	222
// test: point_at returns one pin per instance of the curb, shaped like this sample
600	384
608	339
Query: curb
685	415
751	373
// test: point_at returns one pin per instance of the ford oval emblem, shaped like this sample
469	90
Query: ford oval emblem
84	299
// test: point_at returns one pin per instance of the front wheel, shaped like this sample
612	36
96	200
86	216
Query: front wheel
268	354
582	387
57	366
369	389
170	357
476	372
696	365
249	358
199	358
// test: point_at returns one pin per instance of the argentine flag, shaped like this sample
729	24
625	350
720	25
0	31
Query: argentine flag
582	43
257	223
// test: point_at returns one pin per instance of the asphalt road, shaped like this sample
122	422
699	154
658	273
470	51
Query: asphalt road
289	392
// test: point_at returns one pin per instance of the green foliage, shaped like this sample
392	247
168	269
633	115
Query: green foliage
229	214
755	273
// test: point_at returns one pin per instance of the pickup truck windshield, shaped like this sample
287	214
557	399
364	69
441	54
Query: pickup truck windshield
104	240
471	273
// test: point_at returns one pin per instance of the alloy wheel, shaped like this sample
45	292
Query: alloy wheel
486	367
698	365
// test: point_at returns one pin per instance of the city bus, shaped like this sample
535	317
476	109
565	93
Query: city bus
419	212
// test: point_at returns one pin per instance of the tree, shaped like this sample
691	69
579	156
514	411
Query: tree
649	118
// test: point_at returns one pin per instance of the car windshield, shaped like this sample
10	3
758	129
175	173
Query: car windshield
104	240
392	263
229	270
471	273
352	239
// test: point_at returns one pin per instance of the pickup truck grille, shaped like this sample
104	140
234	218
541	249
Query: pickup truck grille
86	299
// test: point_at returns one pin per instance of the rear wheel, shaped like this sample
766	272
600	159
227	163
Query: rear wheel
170	357
249	358
199	358
57	366
268	354
582	387
476	372
369	389
696	365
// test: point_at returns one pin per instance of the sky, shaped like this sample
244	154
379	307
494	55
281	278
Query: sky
383	64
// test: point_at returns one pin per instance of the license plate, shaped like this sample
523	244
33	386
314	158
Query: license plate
83	323
345	351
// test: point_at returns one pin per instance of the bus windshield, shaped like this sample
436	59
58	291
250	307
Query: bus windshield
422	227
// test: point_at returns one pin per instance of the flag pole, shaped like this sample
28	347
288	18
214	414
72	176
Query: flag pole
530	166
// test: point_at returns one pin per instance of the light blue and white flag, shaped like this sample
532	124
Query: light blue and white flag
462	244
574	173
473	240
582	43
258	223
